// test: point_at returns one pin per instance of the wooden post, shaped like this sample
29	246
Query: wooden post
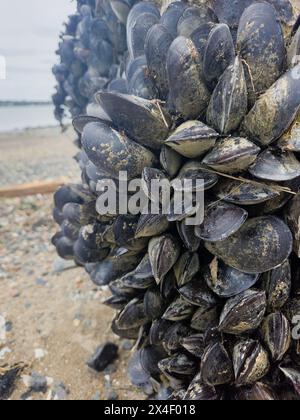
33	188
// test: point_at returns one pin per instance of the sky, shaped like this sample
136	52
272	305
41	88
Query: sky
29	31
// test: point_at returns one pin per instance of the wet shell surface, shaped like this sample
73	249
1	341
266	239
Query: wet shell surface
232	155
143	121
229	102
219	54
260	43
260	245
279	106
221	221
109	150
245	193
227	282
192	139
276	166
188	91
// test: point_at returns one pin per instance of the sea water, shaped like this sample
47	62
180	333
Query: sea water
14	118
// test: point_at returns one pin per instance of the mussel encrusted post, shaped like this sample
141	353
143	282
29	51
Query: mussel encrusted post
212	92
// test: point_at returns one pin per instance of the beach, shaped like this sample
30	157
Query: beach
51	317
37	154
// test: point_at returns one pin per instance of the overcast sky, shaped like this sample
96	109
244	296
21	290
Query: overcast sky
29	32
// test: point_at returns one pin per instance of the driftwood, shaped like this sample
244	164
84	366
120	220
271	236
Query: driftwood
33	188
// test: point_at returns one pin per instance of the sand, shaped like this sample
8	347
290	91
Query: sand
37	154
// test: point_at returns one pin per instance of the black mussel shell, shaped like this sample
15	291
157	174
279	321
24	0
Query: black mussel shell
118	85
245	193
199	392
194	344
276	335
273	165
251	362
278	284
216	365
294	50
150	225
192	139
221	220
290	141
144	121
230	11
188	91
229	102
64	247
114	152
137	29
171	16
200	37
197	293
132	316
188	236
193	17
82	120
205	319
154	304
227	282
157	44
279	106
243	313
142	85
261	244
219	54
194	171
134	65
293	376
293	218
232	155
260	43
170	161
179	310
67	194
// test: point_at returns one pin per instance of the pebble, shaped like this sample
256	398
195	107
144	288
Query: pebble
36	382
112	396
8	326
41	282
110	369
4	352
97	396
127	345
39	353
2	329
103	357
60	392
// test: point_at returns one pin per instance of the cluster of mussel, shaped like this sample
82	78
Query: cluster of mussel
91	54
214	307
92	57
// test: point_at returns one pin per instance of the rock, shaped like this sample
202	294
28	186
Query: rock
36	382
8	326
4	352
97	396
41	282
60	392
110	370
127	345
39	353
112	396
103	356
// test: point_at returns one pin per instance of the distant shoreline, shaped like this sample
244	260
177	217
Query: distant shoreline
24	103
